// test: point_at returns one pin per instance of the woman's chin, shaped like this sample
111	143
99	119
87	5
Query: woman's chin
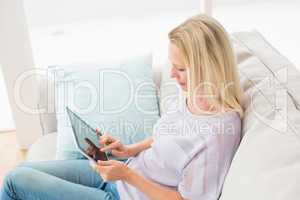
183	87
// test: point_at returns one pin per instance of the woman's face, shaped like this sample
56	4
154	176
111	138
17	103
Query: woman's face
178	70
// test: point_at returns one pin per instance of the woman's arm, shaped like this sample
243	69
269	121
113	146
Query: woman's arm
113	170
151	189
140	146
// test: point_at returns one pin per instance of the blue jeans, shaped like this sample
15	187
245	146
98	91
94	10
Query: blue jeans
56	180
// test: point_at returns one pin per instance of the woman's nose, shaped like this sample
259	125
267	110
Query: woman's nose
173	73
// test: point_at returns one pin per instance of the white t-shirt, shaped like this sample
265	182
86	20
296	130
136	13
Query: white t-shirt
190	154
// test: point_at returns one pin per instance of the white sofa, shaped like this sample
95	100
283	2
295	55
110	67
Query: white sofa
267	163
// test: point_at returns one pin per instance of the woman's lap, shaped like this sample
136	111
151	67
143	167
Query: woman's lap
75	171
71	179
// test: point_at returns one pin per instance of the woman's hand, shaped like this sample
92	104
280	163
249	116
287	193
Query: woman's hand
117	148
111	170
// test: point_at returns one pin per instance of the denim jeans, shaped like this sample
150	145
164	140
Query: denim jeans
56	180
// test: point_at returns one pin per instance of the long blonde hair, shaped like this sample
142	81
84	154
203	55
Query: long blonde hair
210	61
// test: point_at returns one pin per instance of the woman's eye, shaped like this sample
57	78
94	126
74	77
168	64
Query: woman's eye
181	70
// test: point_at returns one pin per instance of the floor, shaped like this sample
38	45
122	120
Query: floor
9	153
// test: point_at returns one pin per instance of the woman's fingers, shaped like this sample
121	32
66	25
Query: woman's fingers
93	165
105	162
102	166
117	153
113	145
106	138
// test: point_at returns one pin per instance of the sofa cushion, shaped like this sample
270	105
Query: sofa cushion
119	98
266	165
43	149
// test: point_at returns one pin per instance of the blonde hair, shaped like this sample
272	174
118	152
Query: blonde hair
211	64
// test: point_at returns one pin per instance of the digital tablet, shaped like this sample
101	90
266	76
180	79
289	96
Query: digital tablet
84	136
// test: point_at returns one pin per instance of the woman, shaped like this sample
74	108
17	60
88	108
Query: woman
190	151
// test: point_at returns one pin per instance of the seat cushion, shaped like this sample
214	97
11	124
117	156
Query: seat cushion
43	149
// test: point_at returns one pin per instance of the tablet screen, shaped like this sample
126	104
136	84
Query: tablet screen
82	130
86	137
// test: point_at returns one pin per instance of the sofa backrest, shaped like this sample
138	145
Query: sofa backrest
266	166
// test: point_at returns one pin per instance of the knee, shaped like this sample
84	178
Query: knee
8	189
16	182
9	177
16	177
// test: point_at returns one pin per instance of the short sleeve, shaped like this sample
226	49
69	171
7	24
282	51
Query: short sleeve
199	180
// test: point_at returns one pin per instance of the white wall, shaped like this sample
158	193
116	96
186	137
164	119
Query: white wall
15	59
274	19
7	123
52	12
251	1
